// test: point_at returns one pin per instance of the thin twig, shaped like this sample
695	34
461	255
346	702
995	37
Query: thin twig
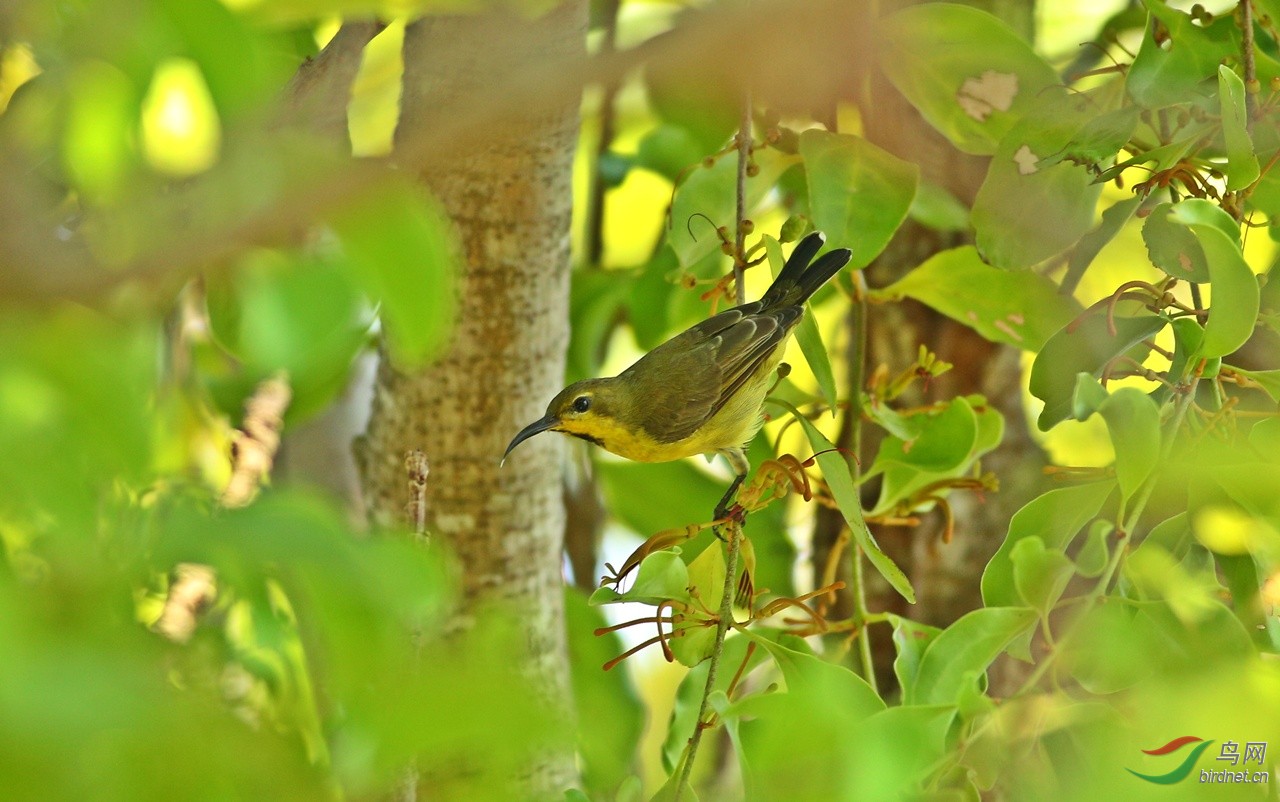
740	235
254	444
608	114
733	536
194	586
733	530
191	591
415	464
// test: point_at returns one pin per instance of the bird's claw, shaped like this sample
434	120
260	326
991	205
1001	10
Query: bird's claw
734	512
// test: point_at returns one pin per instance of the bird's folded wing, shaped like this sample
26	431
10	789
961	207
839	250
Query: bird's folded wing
746	346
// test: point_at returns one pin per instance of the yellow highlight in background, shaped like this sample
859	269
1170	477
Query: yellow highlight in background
1227	530
375	96
181	133
17	66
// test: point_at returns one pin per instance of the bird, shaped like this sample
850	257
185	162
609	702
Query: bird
703	390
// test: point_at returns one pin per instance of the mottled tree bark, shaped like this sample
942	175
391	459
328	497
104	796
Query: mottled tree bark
509	194
946	576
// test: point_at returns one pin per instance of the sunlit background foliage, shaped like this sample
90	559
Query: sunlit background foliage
1140	591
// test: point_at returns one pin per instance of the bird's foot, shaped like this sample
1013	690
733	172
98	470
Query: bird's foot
734	512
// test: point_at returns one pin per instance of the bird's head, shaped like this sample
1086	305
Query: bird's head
587	409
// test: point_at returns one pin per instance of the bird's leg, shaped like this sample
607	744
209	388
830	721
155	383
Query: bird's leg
727	505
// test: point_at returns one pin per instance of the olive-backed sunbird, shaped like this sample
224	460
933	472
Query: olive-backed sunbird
701	392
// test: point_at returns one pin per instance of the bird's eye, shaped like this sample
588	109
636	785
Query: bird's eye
581	404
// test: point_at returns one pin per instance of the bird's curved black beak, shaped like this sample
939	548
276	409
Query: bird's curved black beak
537	427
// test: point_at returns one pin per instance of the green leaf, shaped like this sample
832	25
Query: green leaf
712	191
1021	309
1113	649
973	95
77	389
662	576
938	209
941	442
1265	437
1193	212
1133	420
1188	335
807	334
839	478
1173	247
1172	238
1242	162
280	311
806	673
1089	395
858	193
1098	139
706	581
1055	517
1178	67
1172	535
1039	574
1083	346
242	68
1027	210
648	302
1190	591
669	150
1268	379
400	246
688	696
902	478
910	640
703	109
99	154
969	645
1233	312
594	299
1094	555
1091	244
824	704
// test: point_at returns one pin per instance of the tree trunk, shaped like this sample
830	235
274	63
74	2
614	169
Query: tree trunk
509	194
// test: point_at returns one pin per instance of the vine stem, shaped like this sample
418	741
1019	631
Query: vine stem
734	529
734	536
857	365
740	233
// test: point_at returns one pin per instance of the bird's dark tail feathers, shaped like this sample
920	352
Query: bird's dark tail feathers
798	278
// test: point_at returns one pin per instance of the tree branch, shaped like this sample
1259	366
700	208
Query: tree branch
317	96
189	229
1250	67
608	99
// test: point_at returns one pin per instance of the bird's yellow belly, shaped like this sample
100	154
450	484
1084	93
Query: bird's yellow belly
735	424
